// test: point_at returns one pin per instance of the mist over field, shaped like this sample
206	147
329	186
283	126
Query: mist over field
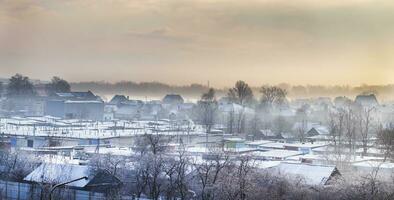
156	90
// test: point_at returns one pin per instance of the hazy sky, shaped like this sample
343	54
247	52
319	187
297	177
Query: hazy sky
185	41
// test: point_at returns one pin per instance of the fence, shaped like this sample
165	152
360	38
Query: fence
25	191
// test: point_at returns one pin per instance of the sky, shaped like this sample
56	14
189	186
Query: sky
195	41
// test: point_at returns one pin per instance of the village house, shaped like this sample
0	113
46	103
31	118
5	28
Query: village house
97	181
75	105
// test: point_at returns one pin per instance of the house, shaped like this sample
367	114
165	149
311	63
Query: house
151	110
173	99
128	111
318	130
118	99
50	173
315	175
122	107
367	100
93	110
75	105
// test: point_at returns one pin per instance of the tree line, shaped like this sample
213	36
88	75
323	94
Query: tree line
194	90
19	86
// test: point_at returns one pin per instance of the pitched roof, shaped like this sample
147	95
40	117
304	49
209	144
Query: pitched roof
118	99
312	174
171	98
367	100
59	173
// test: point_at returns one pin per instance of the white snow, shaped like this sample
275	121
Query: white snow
59	173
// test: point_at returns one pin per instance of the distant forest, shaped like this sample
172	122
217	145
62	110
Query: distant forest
156	90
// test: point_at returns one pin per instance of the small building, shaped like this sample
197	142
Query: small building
317	130
173	99
118	99
75	105
50	173
315	175
93	110
367	100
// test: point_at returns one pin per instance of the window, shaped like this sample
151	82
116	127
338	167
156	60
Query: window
29	143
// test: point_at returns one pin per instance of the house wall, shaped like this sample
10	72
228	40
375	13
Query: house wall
83	110
54	108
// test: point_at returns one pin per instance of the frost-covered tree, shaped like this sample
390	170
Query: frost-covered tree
242	95
58	85
20	85
272	96
207	108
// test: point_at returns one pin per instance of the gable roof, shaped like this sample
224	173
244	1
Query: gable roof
312	174
118	99
59	173
173	98
77	95
367	100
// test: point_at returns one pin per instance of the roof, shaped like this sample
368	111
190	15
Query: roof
79	102
272	145
78	95
305	145
321	130
234	139
258	142
366	100
275	153
118	99
173	98
312	174
58	173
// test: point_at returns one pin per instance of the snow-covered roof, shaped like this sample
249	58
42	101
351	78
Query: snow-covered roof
258	142
272	145
275	154
59	173
264	164
305	145
79	102
312	174
234	139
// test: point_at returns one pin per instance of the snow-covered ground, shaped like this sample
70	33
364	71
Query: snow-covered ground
51	126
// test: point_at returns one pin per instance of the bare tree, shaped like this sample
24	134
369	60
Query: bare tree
207	175
365	120
350	128
272	96
17	164
20	85
386	140
237	181
241	94
207	110
58	85
150	169
108	162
